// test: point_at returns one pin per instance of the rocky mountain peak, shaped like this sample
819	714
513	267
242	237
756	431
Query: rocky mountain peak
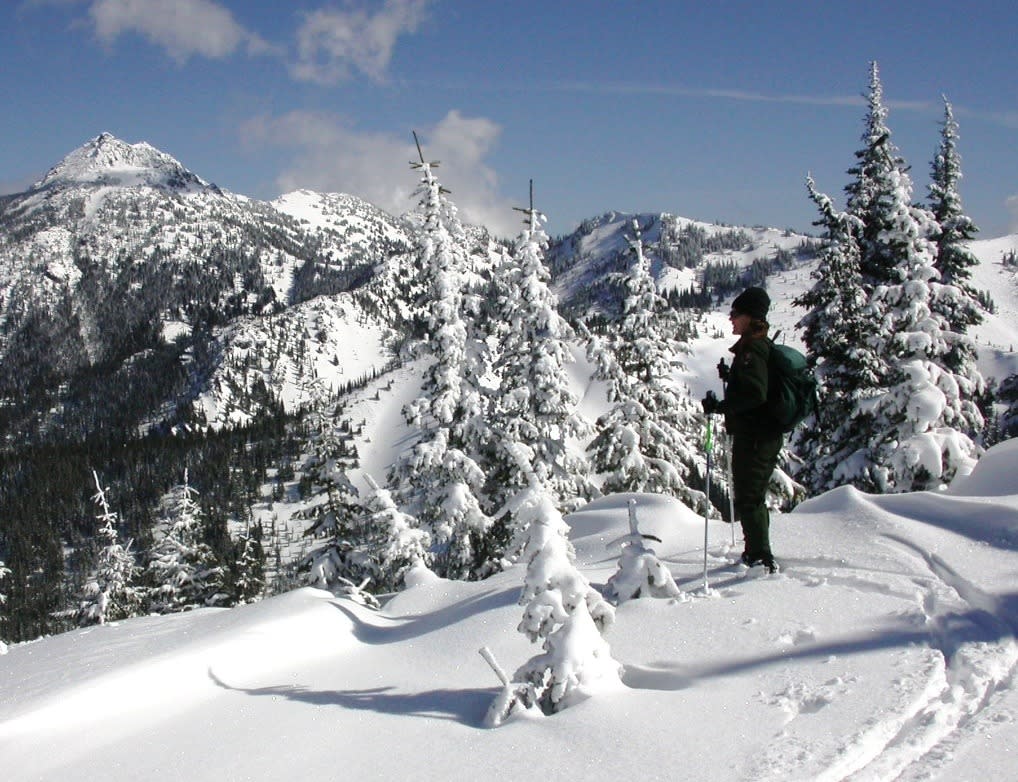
108	161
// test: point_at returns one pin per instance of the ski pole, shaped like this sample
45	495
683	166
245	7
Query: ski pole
724	372
730	443
708	447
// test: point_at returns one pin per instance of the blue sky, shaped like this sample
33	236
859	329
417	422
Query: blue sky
710	110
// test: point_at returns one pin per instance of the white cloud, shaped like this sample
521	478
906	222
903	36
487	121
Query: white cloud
184	28
330	156
332	43
736	95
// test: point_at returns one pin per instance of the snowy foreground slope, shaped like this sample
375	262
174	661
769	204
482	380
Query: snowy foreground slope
885	650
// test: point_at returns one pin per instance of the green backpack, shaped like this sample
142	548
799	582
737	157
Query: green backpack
791	387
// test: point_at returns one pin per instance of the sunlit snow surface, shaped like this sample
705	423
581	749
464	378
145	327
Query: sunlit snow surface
884	649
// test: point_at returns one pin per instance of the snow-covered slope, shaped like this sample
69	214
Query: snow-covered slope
351	220
302	357
997	336
885	650
584	262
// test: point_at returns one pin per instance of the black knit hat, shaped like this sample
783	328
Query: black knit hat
753	302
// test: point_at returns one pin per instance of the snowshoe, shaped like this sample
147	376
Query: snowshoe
752	560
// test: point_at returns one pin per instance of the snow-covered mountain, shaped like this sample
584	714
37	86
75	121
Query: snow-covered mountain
120	254
121	263
108	161
685	255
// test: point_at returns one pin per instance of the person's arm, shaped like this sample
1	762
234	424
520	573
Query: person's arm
747	388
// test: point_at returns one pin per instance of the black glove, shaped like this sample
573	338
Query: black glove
711	404
723	370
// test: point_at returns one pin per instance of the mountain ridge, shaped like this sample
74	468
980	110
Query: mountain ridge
120	249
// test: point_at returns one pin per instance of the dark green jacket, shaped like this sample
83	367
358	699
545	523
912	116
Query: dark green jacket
745	399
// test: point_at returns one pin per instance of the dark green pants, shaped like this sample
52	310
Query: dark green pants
754	457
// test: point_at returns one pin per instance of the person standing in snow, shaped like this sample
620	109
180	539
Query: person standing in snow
756	437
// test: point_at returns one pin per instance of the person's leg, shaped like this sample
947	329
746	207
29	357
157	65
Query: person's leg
742	469
753	462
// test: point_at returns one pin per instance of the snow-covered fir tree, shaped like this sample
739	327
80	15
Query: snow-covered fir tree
1007	395
183	571
437	481
640	572
399	544
370	541
533	404
835	333
334	515
922	411
5	573
110	592
874	191
904	412
954	259
644	440
922	415
562	611
249	579
336	526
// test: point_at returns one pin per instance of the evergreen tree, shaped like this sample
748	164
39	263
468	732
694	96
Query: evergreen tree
109	594
4	573
370	542
438	481
333	518
563	611
533	405
873	194
922	414
332	560
922	409
643	440
835	332
1007	394
182	569
954	260
399	544
899	414
640	572
249	578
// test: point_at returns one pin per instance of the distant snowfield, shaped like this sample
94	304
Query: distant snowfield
885	649
330	345
996	337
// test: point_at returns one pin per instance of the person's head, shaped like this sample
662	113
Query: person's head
749	312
